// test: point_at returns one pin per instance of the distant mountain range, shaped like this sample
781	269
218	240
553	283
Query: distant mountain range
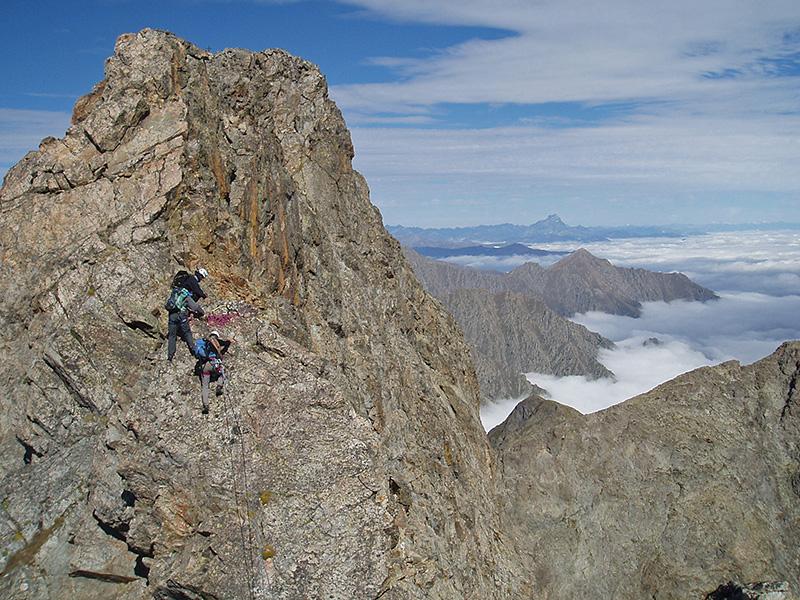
553	229
487	250
577	283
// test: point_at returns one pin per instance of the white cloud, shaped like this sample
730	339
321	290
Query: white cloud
666	167
500	263
22	130
740	326
568	50
708	109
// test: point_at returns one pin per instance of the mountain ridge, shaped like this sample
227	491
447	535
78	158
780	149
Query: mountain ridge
579	282
693	484
346	456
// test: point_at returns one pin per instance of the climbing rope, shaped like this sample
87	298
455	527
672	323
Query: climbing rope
246	530
244	525
249	494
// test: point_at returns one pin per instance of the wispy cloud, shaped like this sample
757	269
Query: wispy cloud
22	130
710	91
568	50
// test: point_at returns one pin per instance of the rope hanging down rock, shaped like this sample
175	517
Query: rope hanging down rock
245	529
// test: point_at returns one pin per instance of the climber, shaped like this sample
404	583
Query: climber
183	302
192	283
209	367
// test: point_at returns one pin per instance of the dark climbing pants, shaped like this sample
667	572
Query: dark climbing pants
206	376
179	326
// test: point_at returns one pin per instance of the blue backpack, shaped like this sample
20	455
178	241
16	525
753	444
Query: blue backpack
202	349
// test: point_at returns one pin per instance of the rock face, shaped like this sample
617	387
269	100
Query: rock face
512	334
346	458
577	283
669	495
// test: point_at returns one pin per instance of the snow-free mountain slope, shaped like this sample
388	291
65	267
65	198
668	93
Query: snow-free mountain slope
346	458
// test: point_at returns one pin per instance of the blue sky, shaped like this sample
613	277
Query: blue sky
470	111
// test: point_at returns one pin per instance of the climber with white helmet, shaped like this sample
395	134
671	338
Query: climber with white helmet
192	283
183	302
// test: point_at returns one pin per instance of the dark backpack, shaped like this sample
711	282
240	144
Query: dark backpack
177	299
180	278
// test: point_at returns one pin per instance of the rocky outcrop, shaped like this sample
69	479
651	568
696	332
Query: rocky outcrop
345	460
668	495
513	334
577	283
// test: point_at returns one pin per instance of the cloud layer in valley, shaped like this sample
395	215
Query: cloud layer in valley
745	261
756	273
667	340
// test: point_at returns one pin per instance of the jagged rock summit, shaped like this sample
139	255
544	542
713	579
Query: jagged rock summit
346	460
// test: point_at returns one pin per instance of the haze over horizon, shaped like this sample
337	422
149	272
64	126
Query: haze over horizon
469	112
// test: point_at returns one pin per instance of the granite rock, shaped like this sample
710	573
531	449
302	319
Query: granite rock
346	457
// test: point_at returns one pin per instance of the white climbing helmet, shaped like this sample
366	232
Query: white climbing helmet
202	272
215	334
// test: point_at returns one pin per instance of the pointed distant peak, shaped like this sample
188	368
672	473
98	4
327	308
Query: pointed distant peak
552	220
581	256
583	253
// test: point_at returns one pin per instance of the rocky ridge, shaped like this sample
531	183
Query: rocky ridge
346	459
579	282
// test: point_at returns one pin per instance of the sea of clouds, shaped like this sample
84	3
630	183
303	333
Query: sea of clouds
756	274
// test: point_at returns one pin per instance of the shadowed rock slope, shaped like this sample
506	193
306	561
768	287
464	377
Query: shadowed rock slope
577	283
512	334
346	459
668	495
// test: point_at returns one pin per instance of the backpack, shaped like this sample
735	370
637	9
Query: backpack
177	299
180	278
202	349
